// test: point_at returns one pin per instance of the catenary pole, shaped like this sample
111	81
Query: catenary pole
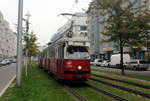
19	42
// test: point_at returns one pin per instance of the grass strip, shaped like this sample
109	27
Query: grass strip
121	93
147	91
37	86
146	83
92	95
146	78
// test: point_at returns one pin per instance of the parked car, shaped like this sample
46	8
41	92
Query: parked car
5	62
97	62
115	60
12	60
1	62
105	63
137	65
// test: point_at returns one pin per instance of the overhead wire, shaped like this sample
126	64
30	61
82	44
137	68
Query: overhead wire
76	1
62	21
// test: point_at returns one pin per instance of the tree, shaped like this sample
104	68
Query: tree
124	23
31	46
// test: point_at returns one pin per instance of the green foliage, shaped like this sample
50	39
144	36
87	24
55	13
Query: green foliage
37	86
143	23
124	22
31	47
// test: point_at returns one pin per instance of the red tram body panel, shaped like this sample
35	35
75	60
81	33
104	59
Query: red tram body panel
65	64
67	55
69	70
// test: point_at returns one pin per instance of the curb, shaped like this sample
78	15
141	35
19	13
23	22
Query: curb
5	88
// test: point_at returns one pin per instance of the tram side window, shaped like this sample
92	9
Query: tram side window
56	55
52	52
48	53
44	54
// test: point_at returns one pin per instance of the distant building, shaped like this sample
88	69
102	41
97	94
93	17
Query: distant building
8	39
75	28
99	49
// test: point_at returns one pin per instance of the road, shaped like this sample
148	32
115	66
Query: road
7	73
142	73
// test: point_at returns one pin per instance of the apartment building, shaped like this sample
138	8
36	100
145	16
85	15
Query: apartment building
76	27
8	39
98	49
95	28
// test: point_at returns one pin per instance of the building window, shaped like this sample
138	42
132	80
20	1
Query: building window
83	28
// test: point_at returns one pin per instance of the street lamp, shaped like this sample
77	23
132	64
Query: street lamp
19	42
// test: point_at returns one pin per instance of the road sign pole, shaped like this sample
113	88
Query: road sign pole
19	42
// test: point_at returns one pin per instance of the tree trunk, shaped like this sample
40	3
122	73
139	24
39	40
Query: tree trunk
121	56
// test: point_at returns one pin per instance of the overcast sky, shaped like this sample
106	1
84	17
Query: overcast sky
44	14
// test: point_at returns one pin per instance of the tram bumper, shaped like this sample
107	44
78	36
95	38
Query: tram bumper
77	75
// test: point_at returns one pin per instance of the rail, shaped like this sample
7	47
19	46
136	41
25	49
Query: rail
123	81
73	92
123	88
116	97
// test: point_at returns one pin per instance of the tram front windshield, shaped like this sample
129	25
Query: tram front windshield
77	52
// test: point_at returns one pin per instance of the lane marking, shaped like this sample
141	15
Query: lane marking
7	85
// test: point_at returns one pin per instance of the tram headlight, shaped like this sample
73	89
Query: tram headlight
79	67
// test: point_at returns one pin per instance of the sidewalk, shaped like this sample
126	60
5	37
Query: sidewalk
7	75
37	86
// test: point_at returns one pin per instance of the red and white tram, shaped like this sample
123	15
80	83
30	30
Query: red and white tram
67	59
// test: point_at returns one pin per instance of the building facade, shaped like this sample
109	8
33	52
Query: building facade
98	49
102	50
76	27
8	39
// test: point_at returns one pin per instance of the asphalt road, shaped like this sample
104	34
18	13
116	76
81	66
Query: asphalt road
143	73
7	73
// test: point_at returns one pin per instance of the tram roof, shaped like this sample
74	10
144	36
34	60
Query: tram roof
74	39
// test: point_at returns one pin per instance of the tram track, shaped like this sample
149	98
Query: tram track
116	97
76	94
123	81
102	91
122	88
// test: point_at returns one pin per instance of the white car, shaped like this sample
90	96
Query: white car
105	63
5	62
92	62
137	65
97	62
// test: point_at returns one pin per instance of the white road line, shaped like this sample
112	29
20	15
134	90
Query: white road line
5	88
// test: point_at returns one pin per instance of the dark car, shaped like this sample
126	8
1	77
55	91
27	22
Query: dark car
137	65
1	62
